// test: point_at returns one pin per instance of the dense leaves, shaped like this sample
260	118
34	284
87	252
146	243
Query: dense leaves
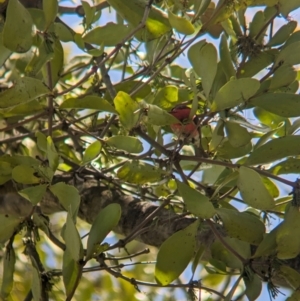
86	120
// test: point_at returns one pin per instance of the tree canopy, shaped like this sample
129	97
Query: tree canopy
99	199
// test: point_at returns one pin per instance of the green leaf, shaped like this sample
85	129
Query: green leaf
72	239
41	56
283	77
282	34
50	8
24	90
56	63
291	276
127	109
89	12
9	260
253	285
138	172
226	59
282	104
288	242
41	141
158	116
5	172
110	34
105	221
157	23
289	55
197	203
258	62
234	93
275	149
68	197
8	225
268	245
92	152
193	55
88	102
25	174
289	166
52	154
126	143
238	136
207	66
226	151
63	32
34	194
180	24
221	253
253	190
36	286
166	97
172	260
17	31
71	271
286	7
242	225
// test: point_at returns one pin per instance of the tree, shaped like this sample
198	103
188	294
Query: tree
89	136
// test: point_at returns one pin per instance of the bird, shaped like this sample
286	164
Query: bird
187	127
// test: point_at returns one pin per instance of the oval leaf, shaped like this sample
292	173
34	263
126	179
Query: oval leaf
25	90
139	173
197	203
207	64
275	149
282	104
234	93
127	109
25	174
253	190
68	197
237	135
104	222
180	24
17	32
34	194
88	102
242	225
92	152
126	143
72	239
172	260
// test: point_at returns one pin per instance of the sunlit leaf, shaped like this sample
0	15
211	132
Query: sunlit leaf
25	174
9	260
92	152
50	8
181	24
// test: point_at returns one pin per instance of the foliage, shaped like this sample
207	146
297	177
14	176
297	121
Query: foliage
62	114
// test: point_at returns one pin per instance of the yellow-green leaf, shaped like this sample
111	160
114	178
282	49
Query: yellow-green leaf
180	24
92	152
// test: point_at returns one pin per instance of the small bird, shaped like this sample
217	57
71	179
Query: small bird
186	128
